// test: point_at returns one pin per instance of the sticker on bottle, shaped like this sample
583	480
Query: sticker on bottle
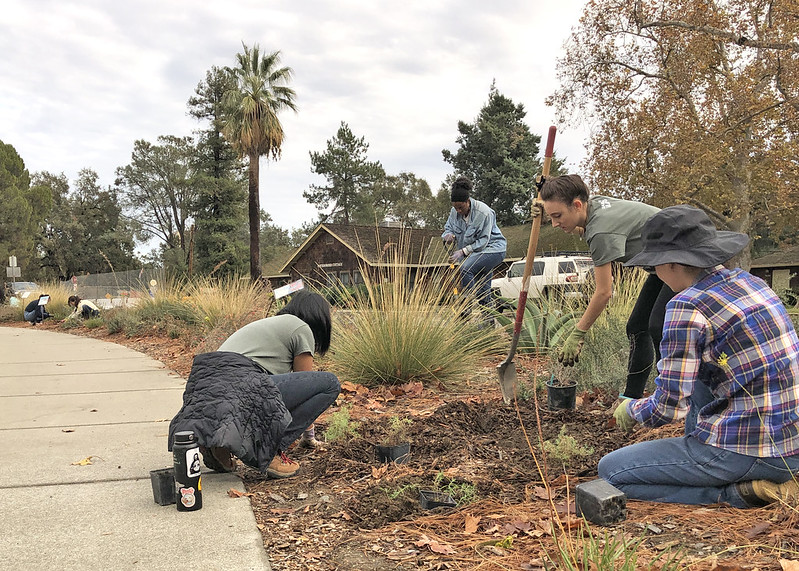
187	497
193	462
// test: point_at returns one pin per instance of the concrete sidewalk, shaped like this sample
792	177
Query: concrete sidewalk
64	398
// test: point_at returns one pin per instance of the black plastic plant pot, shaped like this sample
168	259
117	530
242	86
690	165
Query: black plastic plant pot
561	395
398	454
430	499
163	482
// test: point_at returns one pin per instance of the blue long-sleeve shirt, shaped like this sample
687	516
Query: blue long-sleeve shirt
731	332
478	232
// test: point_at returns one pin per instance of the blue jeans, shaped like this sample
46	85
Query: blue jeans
306	394
685	471
476	272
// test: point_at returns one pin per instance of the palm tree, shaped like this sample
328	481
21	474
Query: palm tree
252	126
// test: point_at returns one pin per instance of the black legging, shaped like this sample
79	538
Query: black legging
645	330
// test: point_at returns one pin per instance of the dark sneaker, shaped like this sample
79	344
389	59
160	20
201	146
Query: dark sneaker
218	459
282	467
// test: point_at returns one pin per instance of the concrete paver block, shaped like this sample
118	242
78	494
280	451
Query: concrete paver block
600	502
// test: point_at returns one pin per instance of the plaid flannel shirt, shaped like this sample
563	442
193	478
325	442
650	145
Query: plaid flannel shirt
731	332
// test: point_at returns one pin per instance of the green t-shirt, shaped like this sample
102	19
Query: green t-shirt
613	228
272	342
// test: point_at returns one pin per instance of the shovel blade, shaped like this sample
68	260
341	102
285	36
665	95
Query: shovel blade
507	380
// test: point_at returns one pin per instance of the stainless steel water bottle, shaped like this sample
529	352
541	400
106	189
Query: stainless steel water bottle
188	482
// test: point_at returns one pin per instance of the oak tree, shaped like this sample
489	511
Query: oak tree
690	101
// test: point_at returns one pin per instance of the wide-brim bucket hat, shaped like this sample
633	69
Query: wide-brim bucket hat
685	235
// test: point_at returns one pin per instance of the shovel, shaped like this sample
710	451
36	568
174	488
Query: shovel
507	368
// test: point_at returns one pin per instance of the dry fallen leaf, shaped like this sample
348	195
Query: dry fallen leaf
378	473
441	548
471	523
234	493
67	430
435	546
350	387
540	492
757	529
789	565
412	389
85	462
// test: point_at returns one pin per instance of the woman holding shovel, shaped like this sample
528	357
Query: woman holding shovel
612	228
472	227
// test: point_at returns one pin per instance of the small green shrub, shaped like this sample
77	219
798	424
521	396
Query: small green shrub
397	431
400	491
70	324
121	320
9	313
462	492
159	309
93	322
565	448
340	427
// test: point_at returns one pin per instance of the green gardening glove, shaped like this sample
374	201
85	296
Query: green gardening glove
623	418
570	352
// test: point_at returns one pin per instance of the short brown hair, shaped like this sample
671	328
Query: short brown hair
564	188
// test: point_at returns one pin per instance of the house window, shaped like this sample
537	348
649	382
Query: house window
357	278
332	279
345	278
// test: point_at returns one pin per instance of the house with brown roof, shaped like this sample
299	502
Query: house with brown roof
339	253
780	270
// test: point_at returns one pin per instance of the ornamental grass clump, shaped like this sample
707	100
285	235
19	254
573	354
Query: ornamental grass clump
170	301
404	328
228	301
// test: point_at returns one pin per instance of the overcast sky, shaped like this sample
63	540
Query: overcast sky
81	81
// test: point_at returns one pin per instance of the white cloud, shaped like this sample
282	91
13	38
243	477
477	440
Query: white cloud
83	81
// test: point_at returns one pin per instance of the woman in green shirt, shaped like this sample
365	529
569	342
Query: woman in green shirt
612	227
283	344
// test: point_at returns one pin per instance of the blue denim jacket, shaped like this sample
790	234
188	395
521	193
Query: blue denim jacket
478	232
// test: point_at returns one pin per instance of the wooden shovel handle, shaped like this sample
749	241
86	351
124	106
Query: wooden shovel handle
534	233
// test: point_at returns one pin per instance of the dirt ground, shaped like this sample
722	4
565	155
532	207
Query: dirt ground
346	511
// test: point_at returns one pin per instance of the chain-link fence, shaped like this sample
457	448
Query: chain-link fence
117	288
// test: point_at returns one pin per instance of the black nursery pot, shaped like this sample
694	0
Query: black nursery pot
430	499
398	454
163	482
560	395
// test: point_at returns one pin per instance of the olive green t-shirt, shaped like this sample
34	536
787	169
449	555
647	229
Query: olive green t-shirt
272	342
613	228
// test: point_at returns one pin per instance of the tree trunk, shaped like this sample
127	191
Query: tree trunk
255	220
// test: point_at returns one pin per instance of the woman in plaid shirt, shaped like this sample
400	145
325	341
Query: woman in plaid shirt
730	367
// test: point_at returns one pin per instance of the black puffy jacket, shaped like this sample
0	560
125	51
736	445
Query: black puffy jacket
230	402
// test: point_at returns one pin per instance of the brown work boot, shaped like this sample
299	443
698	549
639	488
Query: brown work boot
282	467
785	493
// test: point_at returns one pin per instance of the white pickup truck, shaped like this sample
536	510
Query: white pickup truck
551	274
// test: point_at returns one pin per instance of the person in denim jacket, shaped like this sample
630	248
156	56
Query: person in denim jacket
479	244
